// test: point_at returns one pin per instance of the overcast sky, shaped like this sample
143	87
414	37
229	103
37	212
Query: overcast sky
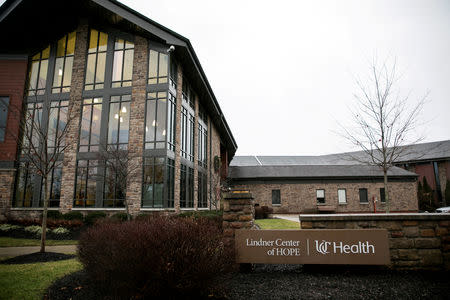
283	71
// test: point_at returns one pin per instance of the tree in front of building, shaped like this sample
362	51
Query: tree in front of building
425	196
383	121
121	168
42	136
447	193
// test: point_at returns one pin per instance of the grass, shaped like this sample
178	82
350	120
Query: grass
15	242
30	281
277	224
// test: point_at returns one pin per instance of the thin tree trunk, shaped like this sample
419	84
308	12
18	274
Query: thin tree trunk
127	210
44	216
386	193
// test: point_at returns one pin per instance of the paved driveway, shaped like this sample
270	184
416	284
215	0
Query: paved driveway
16	251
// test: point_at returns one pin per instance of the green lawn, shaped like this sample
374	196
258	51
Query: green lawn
30	281
15	242
277	224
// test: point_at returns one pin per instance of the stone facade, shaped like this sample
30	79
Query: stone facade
137	123
76	90
6	191
301	197
135	142
416	241
238	213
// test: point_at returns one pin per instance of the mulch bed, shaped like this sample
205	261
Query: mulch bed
37	257
296	282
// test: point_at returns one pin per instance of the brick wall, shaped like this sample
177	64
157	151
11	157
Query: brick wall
301	197
416	241
6	191
12	84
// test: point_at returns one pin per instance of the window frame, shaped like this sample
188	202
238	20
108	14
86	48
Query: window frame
277	194
317	196
5	101
345	196
366	195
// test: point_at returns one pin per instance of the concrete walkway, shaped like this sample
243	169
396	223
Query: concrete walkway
290	217
16	251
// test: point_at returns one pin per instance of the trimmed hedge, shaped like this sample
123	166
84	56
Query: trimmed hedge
154	257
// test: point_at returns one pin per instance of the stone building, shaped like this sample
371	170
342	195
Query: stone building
132	85
297	185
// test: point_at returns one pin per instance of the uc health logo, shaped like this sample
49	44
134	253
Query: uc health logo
322	247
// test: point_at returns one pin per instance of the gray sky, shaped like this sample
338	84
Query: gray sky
283	71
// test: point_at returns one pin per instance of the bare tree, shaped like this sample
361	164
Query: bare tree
43	129
384	121
121	168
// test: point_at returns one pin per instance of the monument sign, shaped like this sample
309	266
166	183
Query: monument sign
316	246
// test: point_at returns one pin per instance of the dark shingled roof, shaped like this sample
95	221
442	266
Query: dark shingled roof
314	172
418	152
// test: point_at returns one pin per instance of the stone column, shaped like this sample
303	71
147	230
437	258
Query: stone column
238	212
178	139
196	153
137	120
75	101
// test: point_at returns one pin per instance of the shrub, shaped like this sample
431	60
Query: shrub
92	217
60	230
119	216
267	211
64	223
154	257
73	215
259	213
8	227
34	229
54	214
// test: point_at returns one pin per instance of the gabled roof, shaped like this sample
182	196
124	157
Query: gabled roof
30	22
413	153
314	172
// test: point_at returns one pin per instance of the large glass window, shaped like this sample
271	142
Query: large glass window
25	186
184	132
123	63
56	123
91	118
4	105
171	116
33	128
202	190
55	186
170	182
86	183
186	187
153	183
119	121
115	186
96	60
37	74
157	67
155	120
62	74
202	139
